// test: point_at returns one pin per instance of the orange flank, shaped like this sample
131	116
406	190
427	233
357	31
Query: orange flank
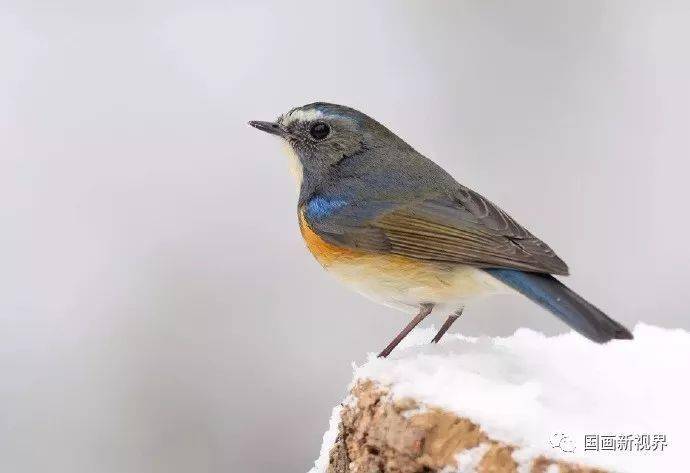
324	252
396	280
363	263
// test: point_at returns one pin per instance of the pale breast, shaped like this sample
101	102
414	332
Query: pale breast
405	284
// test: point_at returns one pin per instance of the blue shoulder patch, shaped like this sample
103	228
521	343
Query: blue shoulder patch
322	207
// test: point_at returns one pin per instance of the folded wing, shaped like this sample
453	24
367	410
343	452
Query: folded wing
452	227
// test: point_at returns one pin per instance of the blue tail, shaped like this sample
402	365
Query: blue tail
555	297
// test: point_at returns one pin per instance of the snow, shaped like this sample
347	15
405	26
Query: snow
469	459
329	437
544	394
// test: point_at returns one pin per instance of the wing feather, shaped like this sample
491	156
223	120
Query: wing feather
462	227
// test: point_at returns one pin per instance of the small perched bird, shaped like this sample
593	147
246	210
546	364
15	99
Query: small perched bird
400	230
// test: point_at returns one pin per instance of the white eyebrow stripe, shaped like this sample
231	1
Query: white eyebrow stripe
302	116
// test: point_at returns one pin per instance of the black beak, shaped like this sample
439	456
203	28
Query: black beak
268	127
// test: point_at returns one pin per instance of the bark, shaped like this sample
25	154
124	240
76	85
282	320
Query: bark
380	435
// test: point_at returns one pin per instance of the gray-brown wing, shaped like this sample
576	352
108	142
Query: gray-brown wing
456	227
466	228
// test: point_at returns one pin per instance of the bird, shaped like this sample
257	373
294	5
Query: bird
396	227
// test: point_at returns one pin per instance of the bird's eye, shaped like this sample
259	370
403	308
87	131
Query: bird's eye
319	130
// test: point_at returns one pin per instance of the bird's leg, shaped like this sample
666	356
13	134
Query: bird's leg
446	325
424	310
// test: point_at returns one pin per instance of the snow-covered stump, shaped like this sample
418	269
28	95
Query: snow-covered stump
525	403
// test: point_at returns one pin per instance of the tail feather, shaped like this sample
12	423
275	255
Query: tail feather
565	304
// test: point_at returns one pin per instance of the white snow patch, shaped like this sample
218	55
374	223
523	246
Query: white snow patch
329	437
544	394
469	460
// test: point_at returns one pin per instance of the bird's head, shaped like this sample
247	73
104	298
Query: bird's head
322	134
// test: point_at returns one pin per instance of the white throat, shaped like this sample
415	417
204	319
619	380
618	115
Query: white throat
295	165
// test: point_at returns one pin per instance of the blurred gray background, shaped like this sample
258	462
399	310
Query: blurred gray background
158	309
